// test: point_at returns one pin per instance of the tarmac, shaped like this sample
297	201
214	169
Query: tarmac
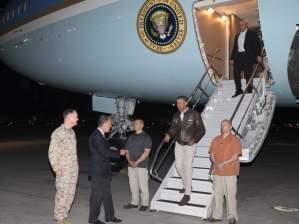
27	186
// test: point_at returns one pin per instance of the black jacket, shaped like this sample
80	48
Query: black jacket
252	46
190	129
100	154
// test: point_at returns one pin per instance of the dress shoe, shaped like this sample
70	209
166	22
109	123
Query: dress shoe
232	221
212	220
115	220
129	206
183	190
143	208
237	94
97	222
184	200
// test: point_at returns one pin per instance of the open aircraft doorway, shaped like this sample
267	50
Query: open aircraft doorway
216	26
249	104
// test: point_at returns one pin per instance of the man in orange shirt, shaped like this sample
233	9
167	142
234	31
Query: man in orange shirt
225	151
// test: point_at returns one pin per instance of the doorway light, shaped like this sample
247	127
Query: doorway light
224	18
210	11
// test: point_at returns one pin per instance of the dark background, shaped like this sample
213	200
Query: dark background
21	96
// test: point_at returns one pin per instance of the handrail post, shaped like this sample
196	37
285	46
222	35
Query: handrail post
250	82
156	156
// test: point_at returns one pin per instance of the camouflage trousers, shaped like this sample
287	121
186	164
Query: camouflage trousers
65	194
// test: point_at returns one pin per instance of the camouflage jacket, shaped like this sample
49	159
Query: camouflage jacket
63	149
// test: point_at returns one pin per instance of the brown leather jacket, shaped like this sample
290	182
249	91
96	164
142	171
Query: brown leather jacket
188	131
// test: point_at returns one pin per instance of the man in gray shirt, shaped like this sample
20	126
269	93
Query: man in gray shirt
137	151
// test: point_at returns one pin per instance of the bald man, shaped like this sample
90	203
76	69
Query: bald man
225	151
137	152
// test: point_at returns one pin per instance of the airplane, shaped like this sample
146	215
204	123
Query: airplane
124	51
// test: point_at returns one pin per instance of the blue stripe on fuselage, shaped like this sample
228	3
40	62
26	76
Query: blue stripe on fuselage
16	12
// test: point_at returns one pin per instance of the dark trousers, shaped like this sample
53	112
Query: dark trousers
241	63
100	192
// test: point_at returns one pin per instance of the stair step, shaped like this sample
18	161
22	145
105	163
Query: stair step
212	134
195	192
197	173
175	195
195	178
212	115
203	162
197	185
205	142
218	114
200	168
173	207
223	100
202	152
177	202
202	157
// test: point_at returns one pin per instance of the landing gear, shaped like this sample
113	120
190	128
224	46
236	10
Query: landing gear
121	121
122	124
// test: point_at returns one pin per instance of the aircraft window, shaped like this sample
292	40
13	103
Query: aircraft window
13	13
7	16
293	65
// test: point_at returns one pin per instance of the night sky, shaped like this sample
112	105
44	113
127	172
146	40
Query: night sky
21	96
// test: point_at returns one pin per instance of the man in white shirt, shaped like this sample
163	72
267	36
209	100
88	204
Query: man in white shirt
246	52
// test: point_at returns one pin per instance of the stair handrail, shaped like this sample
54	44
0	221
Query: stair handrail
255	90
153	170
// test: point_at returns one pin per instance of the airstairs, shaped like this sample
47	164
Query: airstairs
251	116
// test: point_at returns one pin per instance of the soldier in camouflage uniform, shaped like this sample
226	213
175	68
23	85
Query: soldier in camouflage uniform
64	162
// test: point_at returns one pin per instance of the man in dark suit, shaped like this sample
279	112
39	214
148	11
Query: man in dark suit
246	52
100	173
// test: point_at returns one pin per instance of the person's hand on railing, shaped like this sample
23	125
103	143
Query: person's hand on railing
166	138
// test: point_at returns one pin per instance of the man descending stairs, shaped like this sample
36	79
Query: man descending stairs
187	128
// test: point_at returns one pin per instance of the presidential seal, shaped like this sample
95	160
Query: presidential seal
162	25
